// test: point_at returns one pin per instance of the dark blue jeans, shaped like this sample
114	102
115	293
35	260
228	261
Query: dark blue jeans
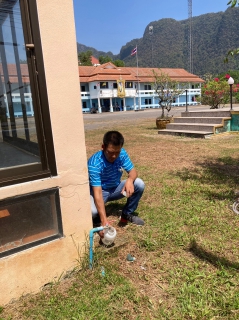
115	194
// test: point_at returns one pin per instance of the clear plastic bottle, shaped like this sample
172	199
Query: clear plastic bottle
109	236
103	271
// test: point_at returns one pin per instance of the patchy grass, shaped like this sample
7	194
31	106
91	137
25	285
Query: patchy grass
187	256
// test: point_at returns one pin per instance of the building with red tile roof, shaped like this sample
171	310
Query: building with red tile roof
101	85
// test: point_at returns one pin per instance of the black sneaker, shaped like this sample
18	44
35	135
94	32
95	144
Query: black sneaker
131	218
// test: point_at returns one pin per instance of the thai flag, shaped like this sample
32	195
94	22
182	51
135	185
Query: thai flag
134	51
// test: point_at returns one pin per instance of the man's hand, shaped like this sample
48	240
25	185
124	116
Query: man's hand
129	184
128	188
99	202
101	233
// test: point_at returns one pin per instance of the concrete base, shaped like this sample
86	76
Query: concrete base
195	134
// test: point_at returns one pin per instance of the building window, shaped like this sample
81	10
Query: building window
148	101
95	87
26	144
22	227
114	85
129	85
103	85
84	105
147	87
83	89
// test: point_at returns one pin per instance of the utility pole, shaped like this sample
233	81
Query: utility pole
151	30
190	39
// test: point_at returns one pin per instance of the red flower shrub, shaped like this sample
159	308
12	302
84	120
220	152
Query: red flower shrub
215	92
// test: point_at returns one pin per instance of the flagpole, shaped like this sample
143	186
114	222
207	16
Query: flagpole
139	103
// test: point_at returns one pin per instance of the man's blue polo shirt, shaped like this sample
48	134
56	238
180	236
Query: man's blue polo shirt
106	174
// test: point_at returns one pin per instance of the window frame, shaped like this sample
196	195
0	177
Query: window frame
148	101
47	167
31	196
84	105
102	85
147	87
129	84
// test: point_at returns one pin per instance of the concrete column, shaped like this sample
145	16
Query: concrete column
111	106
134	103
99	106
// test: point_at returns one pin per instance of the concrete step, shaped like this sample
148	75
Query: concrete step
192	133
212	120
193	126
211	113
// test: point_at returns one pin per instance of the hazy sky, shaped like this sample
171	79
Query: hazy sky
108	25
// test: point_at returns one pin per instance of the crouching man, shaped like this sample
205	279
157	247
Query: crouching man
105	170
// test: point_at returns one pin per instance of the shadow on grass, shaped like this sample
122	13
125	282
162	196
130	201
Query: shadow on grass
213	259
114	208
221	171
152	128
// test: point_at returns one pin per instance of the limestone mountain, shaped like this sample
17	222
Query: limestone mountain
213	35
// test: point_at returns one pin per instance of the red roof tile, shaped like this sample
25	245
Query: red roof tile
109	72
12	73
94	60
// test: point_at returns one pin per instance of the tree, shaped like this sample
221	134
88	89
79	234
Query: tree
167	90
118	63
233	52
233	73
233	3
84	58
104	59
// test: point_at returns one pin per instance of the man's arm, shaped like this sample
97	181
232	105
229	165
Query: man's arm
129	184
100	205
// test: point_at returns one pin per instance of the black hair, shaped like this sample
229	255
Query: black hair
113	137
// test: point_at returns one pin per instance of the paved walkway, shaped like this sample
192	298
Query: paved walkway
109	119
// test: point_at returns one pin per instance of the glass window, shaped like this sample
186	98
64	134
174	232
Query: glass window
84	104
104	85
23	227
22	137
129	85
147	87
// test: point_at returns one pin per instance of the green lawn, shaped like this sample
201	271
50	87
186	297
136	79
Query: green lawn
187	254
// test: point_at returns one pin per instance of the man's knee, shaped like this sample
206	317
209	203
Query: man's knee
139	184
